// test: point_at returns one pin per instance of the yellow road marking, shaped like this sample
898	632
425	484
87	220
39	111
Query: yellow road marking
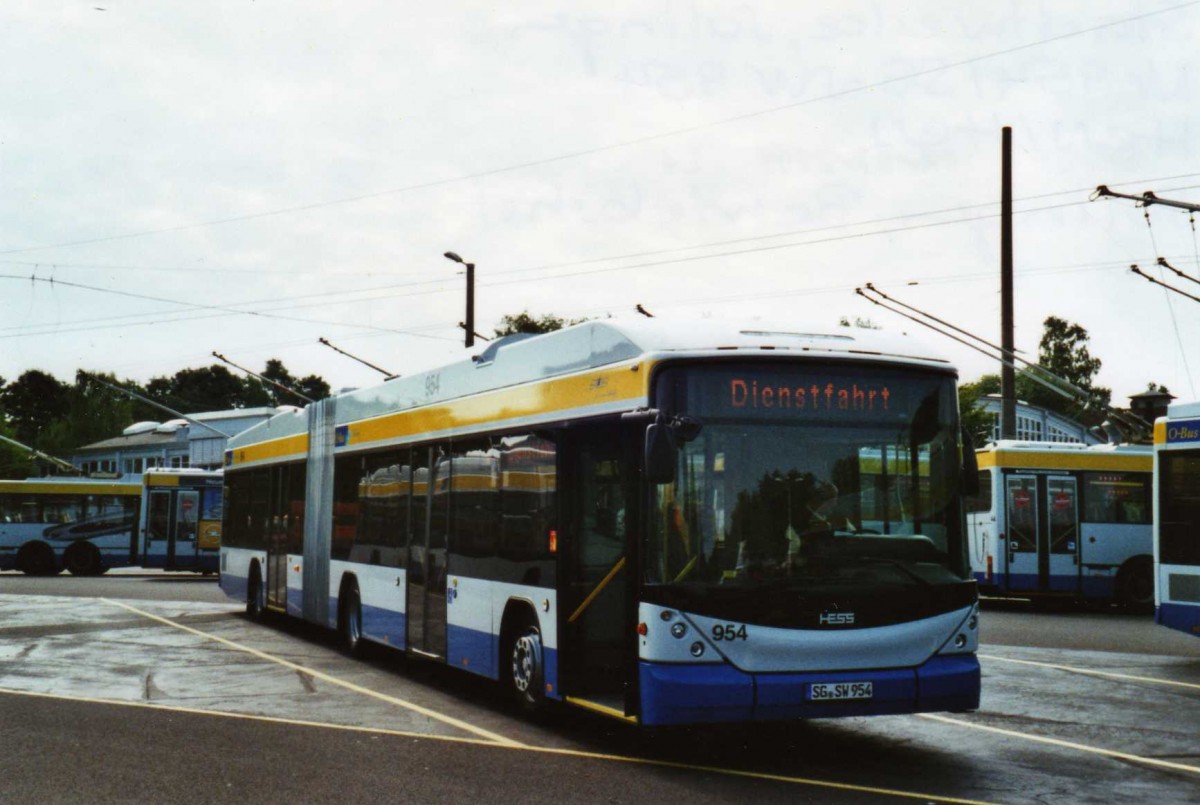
416	708
1089	672
1078	747
575	753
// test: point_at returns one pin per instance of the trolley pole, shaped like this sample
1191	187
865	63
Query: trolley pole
1008	378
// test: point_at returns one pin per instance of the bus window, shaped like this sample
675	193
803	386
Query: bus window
1116	497
983	501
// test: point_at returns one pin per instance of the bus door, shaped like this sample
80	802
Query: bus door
277	541
426	587
171	525
1062	534
595	618
1042	532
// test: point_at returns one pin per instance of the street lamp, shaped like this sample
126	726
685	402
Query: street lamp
470	322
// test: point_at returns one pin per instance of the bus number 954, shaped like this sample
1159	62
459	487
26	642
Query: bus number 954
728	631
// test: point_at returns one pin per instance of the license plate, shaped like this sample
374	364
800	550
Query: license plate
840	691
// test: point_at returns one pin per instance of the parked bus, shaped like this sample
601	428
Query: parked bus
1177	518
661	522
1064	520
180	522
85	525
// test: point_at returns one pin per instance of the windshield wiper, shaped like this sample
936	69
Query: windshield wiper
901	566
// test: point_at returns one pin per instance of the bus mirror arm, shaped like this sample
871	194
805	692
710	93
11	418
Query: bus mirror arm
970	468
660	451
662	440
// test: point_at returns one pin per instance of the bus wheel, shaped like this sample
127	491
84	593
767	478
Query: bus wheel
1135	584
83	559
350	621
528	668
255	606
37	559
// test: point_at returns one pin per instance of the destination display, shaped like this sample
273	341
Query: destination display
812	394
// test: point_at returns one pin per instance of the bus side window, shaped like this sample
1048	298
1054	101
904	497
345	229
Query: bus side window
983	501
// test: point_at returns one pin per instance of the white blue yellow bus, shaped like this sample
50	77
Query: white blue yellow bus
180	522
1064	521
667	523
84	525
1177	518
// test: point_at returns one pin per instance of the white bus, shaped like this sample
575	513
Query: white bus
1177	518
667	523
180	523
84	525
1064	520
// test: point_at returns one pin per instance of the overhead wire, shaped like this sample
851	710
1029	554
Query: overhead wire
571	155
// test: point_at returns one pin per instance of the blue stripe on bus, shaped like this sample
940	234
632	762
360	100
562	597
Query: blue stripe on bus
680	694
236	587
1184	617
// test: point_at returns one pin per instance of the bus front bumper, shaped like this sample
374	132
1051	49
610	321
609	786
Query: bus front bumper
695	694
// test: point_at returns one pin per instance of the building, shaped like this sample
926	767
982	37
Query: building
175	443
1036	424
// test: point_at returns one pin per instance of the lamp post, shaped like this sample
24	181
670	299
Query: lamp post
469	324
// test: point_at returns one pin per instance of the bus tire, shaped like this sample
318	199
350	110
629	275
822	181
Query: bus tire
83	559
1135	584
255	601
37	559
527	667
350	624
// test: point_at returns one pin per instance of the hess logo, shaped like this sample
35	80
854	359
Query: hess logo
835	618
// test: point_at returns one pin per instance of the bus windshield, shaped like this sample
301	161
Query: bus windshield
823	478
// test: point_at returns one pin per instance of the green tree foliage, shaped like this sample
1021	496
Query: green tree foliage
1063	351
258	393
525	322
189	391
44	413
32	402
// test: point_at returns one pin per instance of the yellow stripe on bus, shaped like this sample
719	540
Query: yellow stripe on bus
284	447
97	488
1034	460
563	394
624	384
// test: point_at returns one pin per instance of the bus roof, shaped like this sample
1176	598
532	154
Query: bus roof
608	355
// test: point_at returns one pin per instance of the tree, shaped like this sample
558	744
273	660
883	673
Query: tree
525	322
1063	351
211	388
32	402
94	412
258	393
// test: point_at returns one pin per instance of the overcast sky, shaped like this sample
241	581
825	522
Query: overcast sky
247	177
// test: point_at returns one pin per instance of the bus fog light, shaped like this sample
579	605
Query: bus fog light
697	649
678	629
960	641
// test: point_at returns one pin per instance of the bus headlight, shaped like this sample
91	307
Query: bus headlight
678	629
697	649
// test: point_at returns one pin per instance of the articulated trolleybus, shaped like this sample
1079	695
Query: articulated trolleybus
1177	518
661	522
1064	520
181	519
85	525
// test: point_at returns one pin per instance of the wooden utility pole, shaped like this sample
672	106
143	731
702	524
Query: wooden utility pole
1008	378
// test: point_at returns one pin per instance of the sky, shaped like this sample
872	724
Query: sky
248	177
